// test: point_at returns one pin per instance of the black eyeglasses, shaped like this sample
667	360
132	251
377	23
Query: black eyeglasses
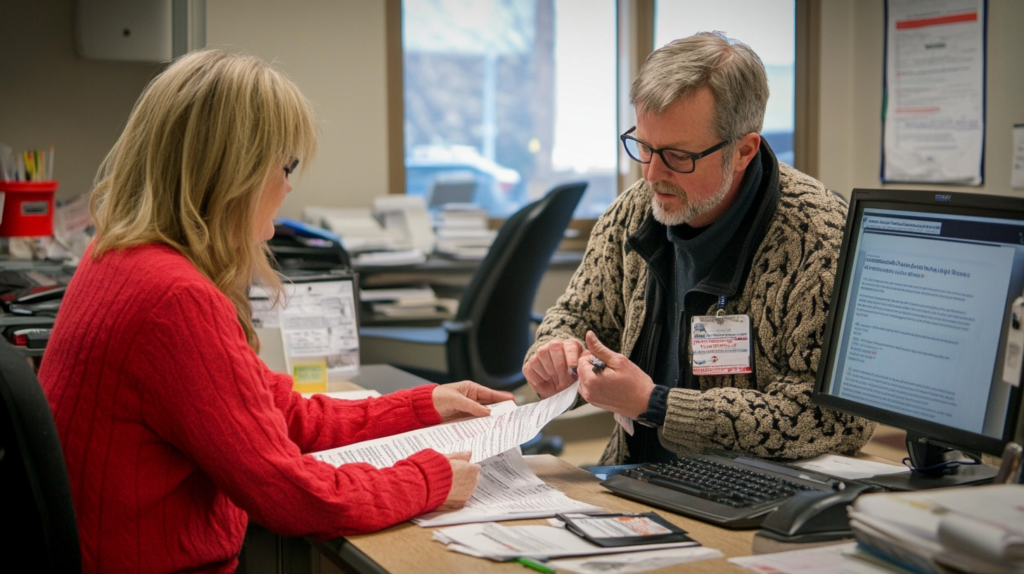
290	167
678	160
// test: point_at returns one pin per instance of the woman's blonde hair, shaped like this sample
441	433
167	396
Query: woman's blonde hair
190	167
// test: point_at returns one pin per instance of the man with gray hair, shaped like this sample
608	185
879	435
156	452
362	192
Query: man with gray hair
705	286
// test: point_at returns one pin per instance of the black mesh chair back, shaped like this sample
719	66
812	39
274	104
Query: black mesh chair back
37	506
490	334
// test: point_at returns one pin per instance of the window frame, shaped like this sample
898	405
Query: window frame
635	42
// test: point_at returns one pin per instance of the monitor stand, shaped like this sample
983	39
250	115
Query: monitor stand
925	453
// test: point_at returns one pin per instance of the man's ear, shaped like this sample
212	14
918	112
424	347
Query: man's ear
745	151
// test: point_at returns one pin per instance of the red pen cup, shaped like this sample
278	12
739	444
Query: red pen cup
28	208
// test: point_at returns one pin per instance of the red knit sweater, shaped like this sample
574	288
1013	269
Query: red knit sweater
174	430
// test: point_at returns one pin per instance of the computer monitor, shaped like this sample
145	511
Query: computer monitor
453	191
921	322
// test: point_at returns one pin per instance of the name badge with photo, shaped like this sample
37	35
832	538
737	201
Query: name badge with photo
720	345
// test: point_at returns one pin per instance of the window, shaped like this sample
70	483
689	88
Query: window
768	27
505	99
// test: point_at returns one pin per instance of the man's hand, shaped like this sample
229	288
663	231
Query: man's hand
621	387
547	371
464	478
465	399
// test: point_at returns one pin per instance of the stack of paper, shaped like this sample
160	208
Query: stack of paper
978	529
389	258
497	542
408	302
508	490
844	558
463	233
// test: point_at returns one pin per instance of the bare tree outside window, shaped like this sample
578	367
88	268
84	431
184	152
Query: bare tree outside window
505	99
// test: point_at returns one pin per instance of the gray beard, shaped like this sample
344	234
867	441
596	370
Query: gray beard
689	209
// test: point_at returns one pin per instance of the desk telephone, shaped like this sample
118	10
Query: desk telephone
396	223
814	516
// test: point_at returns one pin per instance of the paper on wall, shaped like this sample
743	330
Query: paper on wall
934	103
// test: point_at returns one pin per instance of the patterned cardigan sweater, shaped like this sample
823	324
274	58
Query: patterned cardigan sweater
786	294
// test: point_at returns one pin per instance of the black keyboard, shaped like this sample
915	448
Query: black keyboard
723	488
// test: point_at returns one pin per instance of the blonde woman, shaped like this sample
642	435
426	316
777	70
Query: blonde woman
174	432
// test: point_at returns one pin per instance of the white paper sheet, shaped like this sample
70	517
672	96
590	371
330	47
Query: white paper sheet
848	467
934	106
497	542
484	437
508	490
635	561
317	321
819	560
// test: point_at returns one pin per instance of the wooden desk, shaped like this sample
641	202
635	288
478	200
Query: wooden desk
409	548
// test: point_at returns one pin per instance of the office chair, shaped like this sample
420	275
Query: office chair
37	507
490	334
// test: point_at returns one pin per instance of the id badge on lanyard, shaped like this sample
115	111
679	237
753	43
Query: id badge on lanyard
720	344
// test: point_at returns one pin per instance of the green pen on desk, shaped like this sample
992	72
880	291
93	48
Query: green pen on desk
535	565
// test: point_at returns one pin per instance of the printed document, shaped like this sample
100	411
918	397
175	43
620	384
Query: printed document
508	490
498	542
934	102
484	437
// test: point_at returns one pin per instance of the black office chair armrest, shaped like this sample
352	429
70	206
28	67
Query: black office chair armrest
457	326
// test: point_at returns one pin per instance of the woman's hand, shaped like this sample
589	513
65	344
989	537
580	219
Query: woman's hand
465	399
464	478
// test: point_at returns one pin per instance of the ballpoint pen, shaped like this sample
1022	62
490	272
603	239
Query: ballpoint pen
598	365
529	563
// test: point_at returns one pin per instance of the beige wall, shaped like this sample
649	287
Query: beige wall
50	96
334	51
851	95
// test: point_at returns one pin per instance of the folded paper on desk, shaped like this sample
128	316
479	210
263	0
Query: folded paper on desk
978	529
498	542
